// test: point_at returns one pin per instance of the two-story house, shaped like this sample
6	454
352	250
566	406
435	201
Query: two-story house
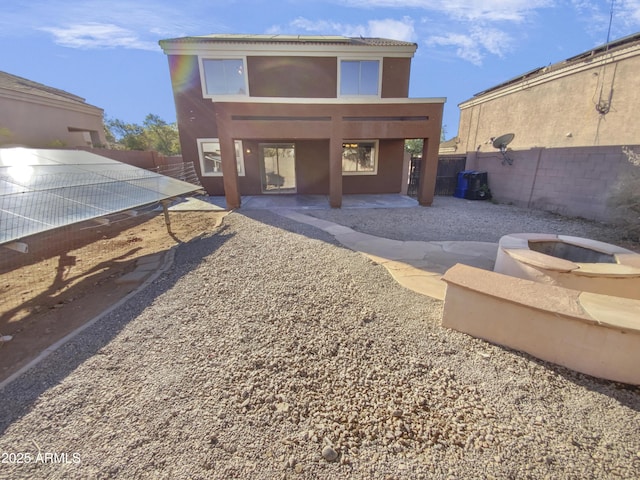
263	114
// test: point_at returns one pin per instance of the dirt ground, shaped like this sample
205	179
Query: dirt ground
68	277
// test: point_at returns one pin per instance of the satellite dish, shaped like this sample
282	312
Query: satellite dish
503	140
501	144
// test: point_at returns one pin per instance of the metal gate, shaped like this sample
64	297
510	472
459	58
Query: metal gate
446	176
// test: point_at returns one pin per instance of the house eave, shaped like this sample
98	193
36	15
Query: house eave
327	101
201	47
18	96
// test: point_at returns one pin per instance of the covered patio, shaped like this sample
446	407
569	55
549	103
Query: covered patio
327	119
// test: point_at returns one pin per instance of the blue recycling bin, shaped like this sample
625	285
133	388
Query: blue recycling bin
473	185
462	184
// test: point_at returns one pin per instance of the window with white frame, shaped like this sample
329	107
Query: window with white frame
224	76
211	159
359	77
360	158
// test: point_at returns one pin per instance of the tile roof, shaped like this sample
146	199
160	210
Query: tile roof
294	39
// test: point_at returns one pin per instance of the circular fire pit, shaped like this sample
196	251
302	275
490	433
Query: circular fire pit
571	262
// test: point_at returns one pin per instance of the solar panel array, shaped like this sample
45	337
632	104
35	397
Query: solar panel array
45	189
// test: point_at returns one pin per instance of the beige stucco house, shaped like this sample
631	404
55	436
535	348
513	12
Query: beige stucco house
591	99
35	115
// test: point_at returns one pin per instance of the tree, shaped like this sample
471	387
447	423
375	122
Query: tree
162	135
127	136
414	146
154	134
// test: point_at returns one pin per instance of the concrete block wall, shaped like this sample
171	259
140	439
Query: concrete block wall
138	158
574	182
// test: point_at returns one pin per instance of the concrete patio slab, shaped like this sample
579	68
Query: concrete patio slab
338	230
469	248
312	202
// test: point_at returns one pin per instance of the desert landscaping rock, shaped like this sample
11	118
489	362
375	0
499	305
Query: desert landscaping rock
268	343
329	454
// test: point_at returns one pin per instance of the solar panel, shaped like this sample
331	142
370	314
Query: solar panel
45	189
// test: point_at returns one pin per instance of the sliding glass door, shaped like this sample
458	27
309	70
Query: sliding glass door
278	167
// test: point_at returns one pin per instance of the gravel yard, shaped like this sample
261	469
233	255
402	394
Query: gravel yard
269	351
452	218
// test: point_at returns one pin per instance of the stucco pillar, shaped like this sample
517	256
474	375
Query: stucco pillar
229	170
406	166
428	171
335	165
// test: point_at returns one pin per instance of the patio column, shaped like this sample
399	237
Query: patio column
335	164
229	168
428	171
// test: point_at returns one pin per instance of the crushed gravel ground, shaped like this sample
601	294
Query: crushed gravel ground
269	351
451	218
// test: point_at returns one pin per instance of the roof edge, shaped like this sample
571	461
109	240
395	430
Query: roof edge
586	56
284	44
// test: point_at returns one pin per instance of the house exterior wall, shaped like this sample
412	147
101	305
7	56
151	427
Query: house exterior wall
556	107
316	77
569	181
395	77
293	98
389	177
312	168
32	121
304	77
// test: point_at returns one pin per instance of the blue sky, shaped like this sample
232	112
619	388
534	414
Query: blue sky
107	51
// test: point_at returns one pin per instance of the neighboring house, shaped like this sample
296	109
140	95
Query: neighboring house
300	114
449	146
35	115
591	99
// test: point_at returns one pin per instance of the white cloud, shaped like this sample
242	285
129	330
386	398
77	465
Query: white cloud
474	10
596	17
394	29
386	28
114	24
494	41
98	35
627	12
466	47
474	46
323	26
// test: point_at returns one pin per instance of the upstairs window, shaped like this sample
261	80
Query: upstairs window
359	77
359	158
224	76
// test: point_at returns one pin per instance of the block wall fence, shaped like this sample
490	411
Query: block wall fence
138	158
574	182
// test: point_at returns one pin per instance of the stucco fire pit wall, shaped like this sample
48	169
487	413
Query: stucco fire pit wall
571	262
588	332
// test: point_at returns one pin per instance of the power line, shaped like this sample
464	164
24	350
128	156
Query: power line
610	21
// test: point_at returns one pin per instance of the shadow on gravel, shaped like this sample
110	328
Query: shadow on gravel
278	221
624	394
19	396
